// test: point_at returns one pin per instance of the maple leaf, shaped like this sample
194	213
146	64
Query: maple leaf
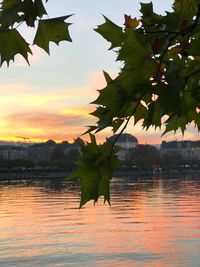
9	13
130	22
12	43
111	32
96	166
52	30
32	10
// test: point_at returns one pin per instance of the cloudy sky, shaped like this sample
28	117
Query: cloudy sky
50	99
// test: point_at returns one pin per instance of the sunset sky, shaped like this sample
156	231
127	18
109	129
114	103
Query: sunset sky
50	99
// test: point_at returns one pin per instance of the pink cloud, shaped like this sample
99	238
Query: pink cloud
45	125
46	120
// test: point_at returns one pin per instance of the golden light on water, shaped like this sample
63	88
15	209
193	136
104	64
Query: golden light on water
152	222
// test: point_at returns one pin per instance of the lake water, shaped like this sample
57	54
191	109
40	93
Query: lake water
152	222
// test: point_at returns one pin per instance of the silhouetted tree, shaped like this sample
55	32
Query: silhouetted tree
144	156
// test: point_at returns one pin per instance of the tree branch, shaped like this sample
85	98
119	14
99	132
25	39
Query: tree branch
193	26
124	127
175	35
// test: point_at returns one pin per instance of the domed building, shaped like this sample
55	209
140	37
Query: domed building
126	142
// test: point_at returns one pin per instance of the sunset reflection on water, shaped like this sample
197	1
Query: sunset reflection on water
154	222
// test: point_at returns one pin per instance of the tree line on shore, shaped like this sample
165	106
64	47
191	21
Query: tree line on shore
142	157
148	157
57	160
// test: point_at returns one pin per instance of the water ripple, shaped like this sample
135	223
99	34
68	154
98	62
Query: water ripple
150	223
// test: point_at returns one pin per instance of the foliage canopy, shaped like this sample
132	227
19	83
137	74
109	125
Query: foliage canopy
159	82
13	13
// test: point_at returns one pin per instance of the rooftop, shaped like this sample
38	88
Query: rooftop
124	138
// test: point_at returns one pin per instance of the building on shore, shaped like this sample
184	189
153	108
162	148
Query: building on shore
13	152
39	152
188	150
126	142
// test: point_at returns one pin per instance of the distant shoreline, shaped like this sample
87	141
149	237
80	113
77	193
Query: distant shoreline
33	174
44	174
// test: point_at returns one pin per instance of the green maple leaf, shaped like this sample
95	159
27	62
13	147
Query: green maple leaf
32	10
116	124
153	117
175	122
134	51
148	16
111	32
140	113
12	43
10	11
147	9
52	30
15	11
171	21
96	166
186	8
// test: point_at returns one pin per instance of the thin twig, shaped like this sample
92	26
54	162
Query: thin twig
162	57
175	35
193	26
162	31
122	130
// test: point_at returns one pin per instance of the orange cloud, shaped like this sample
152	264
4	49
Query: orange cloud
45	125
47	120
62	113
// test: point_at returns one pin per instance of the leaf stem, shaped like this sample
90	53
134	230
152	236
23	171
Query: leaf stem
124	127
175	35
193	26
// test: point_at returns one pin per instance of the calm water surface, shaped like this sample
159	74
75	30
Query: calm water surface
150	223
